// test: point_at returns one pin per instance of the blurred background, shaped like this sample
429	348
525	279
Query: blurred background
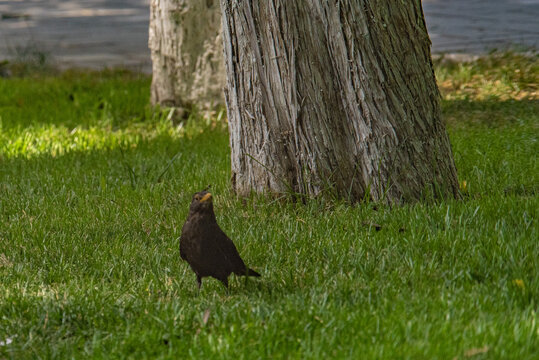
109	33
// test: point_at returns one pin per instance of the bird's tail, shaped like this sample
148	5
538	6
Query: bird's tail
251	272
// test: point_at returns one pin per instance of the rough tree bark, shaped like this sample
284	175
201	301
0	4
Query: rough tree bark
187	53
334	95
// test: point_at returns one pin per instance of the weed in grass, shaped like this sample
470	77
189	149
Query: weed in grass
89	260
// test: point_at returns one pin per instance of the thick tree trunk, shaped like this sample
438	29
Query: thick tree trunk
334	95
187	53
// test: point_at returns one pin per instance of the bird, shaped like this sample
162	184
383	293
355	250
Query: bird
205	247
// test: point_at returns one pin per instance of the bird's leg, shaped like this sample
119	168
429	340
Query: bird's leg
199	282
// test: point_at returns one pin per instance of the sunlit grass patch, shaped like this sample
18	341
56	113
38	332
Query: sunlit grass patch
506	76
57	140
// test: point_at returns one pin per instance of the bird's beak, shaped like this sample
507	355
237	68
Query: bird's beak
206	197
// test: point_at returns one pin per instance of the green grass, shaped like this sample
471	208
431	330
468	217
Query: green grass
95	186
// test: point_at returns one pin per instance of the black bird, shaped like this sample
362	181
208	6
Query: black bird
206	247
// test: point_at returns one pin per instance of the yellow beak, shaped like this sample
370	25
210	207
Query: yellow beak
206	197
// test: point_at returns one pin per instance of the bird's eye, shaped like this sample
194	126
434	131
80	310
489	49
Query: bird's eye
197	198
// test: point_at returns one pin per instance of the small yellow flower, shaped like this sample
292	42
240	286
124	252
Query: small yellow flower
519	283
463	184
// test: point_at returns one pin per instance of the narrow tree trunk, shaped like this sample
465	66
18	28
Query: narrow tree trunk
334	95
187	53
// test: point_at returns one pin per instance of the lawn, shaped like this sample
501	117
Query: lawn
95	186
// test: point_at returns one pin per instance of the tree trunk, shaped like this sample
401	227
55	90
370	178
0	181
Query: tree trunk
334	96
187	53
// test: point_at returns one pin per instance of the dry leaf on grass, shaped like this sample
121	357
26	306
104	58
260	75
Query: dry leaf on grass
476	351
4	261
205	319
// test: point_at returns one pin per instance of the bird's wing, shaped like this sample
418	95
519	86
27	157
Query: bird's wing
228	250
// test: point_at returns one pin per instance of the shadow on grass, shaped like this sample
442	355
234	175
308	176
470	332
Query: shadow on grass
490	113
75	98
